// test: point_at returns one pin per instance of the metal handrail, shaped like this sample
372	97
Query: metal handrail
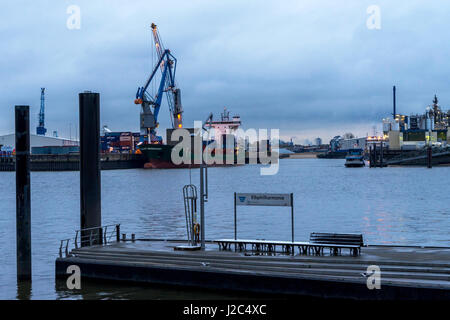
89	234
88	237
67	247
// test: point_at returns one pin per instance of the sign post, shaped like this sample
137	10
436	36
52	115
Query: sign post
264	199
235	226
292	215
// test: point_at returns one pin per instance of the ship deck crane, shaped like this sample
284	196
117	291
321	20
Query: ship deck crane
40	129
167	64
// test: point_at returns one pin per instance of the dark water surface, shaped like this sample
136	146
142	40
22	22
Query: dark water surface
397	205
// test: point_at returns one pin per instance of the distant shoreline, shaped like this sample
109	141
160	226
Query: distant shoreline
303	155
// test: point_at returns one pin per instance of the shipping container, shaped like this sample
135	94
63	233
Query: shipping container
125	143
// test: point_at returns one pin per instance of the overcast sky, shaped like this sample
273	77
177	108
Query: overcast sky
309	68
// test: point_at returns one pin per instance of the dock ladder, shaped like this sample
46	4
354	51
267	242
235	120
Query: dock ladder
190	210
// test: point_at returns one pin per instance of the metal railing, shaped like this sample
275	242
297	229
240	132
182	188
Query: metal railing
66	247
91	236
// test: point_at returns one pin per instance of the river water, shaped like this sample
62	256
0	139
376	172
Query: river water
395	205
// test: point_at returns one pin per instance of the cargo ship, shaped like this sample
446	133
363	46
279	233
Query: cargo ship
159	155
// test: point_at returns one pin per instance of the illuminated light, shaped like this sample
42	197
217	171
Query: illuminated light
180	126
179	116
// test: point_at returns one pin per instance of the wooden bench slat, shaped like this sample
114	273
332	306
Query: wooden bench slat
337	238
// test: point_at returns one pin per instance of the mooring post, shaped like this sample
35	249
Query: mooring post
381	154
118	232
373	161
375	155
23	199
429	157
90	178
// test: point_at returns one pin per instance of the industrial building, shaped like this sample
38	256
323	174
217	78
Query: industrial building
417	130
338	143
9	141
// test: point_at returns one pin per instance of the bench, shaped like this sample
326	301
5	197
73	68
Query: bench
318	241
257	245
352	241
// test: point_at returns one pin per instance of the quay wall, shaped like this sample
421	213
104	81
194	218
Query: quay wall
71	162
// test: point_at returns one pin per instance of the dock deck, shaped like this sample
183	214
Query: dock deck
406	272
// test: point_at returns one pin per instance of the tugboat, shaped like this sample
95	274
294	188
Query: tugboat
355	158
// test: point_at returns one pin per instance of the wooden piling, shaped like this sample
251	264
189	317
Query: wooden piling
374	155
381	154
371	157
429	157
23	198
90	179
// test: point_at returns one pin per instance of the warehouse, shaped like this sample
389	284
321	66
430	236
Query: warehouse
37	141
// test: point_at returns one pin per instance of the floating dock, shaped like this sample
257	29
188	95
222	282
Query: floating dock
407	273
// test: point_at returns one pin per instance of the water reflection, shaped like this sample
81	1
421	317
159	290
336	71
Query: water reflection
24	290
99	290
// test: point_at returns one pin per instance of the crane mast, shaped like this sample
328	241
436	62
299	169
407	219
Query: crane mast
149	118
40	129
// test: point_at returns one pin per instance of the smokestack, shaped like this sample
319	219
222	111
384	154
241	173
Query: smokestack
395	112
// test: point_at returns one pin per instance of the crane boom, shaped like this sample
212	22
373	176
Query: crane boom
148	118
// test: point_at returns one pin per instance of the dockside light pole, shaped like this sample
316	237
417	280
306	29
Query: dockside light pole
203	186
202	207
23	199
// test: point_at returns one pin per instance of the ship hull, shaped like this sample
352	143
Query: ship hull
159	156
355	165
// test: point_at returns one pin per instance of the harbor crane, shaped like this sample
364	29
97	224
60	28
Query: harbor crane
40	129
167	64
